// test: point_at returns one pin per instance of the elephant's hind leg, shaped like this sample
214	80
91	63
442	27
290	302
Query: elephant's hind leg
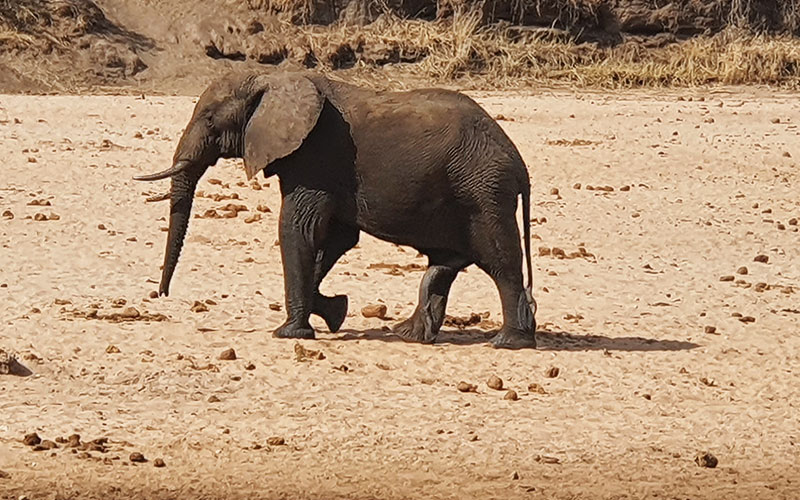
500	256
424	324
332	310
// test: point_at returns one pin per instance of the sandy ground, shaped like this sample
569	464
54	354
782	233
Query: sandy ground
641	389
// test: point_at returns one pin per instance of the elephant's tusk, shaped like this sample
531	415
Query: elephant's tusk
178	167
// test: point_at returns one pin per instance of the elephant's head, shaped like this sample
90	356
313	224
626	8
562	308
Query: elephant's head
258	117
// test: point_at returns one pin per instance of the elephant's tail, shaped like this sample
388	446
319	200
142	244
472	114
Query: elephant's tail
526	234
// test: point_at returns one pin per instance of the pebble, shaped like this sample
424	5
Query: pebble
137	457
112	349
511	395
761	258
741	270
199	307
276	441
727	277
31	439
466	387
552	372
534	387
250	367
710	329
153	294
158	462
495	383
706	459
374	311
227	355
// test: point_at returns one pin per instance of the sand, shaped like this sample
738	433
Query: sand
700	188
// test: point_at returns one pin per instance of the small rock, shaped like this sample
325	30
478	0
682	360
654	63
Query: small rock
250	367
130	313
374	311
786	154
761	258
495	383
112	349
466	387
577	185
647	396
747	319
727	278
776	120
213	399
8	214
137	457
73	441
31	439
276	441
48	445
710	329
625	188
158	462
263	209
153	294
534	387
199	307
552	372
515	476
554	191
227	355
780	227
4	474
706	459
793	221
275	306
741	270
252	218
511	395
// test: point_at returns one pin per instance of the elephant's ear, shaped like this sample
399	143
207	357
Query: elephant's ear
288	110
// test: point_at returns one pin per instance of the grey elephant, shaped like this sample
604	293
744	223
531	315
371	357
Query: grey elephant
428	168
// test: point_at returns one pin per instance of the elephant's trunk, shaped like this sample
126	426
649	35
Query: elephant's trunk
181	196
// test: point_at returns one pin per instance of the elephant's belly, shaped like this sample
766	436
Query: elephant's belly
432	223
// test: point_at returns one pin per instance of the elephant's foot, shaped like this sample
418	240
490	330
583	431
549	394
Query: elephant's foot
416	329
291	330
333	310
512	338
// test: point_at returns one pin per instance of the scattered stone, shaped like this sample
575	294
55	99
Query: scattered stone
466	387
577	185
137	457
112	349
747	319
647	396
129	313
374	311
761	258
511	395
153	294
8	214
31	439
552	372
227	355
73	441
554	191
625	188
710	329
276	441
250	367
534	387
302	354
515	476
727	277
275	306
776	120
213	399
199	307
252	218
706	459
780	227
710	382
793	221
158	462
263	208
495	383
741	270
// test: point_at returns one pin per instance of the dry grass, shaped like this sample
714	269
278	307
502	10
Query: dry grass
461	50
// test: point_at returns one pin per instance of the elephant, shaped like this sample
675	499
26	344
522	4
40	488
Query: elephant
427	168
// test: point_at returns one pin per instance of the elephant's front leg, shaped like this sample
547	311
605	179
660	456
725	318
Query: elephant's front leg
302	225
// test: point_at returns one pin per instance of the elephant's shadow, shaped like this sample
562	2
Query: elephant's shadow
547	340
